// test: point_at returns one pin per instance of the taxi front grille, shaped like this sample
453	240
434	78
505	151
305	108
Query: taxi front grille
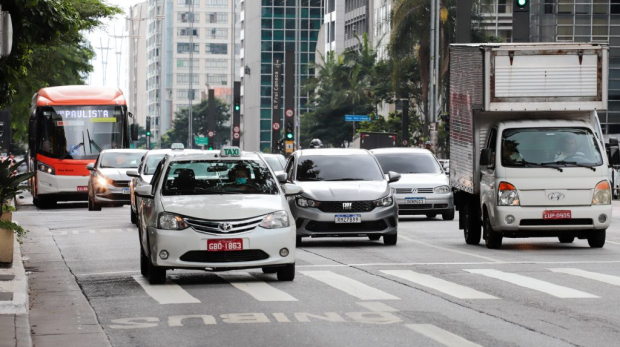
224	257
418	190
346	206
222	227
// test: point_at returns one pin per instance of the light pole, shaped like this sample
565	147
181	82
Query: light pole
190	116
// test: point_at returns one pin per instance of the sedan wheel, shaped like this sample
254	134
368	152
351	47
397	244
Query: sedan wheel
390	240
286	273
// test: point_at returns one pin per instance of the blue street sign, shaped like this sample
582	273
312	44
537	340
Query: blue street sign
356	118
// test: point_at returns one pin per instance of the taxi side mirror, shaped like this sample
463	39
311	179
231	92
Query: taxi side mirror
292	189
90	166
282	177
133	173
144	191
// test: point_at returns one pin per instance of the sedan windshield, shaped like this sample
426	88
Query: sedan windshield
533	147
360	167
120	160
408	163
202	177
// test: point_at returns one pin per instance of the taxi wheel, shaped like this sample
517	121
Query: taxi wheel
492	239
374	237
270	270
431	215
286	273
390	240
448	215
596	239
298	241
157	275
567	239
144	263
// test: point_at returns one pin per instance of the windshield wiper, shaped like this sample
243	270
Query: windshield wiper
566	163
214	191
92	142
547	165
347	179
81	144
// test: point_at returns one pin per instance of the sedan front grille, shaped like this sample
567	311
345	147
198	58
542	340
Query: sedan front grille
417	190
224	257
346	206
222	227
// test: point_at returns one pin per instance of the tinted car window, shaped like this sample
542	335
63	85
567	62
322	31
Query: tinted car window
406	163
274	163
120	160
338	168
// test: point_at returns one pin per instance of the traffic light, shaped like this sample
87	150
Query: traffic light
237	104
289	136
521	4
148	127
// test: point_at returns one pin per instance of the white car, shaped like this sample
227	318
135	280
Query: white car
218	210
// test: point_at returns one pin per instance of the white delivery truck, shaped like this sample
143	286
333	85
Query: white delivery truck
527	153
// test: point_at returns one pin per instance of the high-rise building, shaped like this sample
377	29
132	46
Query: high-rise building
345	21
382	27
269	29
137	57
189	50
497	18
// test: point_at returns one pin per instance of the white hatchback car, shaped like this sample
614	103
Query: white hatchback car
216	211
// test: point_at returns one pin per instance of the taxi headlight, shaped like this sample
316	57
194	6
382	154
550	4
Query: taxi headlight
383	202
441	190
275	220
304	202
602	194
46	168
169	221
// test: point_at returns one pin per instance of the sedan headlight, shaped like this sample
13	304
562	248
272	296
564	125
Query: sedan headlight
169	221
304	202
441	190
602	194
275	220
46	168
507	195
383	202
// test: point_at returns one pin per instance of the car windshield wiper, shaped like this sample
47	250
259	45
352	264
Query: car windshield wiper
347	179
214	191
566	163
81	144
547	165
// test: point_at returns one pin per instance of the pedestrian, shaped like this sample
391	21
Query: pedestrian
429	145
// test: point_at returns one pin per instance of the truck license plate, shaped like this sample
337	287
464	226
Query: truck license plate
348	218
225	245
557	214
415	201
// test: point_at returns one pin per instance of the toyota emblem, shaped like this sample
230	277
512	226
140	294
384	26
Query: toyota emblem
225	227
555	196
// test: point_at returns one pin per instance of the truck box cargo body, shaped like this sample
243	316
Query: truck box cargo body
373	140
512	108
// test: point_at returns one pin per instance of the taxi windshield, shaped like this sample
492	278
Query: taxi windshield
151	163
202	177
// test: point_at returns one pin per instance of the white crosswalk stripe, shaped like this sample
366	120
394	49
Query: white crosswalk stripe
609	279
169	293
439	284
350	286
260	290
441	336
532	283
91	231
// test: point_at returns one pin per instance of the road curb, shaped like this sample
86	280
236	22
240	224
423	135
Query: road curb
18	306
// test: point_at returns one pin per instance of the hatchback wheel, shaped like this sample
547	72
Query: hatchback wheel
287	273
390	240
448	215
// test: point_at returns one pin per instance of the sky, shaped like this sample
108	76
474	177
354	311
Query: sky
116	71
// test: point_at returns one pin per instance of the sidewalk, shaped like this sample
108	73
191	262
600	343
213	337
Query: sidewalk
14	313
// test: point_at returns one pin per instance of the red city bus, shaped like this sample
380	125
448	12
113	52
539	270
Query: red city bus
68	127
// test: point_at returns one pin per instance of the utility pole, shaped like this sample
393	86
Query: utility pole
190	119
119	54
104	58
431	69
233	95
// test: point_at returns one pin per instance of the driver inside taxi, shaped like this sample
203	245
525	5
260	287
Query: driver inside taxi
241	178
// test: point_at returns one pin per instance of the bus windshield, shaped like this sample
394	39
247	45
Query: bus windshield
79	132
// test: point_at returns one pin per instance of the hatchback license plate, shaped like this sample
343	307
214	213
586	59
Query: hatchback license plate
557	214
125	190
348	218
225	245
415	201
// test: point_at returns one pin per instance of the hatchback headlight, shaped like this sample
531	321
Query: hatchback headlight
507	195
602	194
46	168
275	220
169	221
305	202
383	202
441	190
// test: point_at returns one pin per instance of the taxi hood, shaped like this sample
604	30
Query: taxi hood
223	207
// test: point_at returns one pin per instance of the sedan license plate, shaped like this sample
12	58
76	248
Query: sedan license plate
557	214
415	201
82	188
125	191
348	218
225	245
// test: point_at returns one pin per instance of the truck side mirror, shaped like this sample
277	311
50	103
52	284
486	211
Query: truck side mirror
613	141
486	157
614	155
134	132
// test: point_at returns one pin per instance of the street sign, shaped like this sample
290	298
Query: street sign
211	134
236	136
289	112
201	141
236	129
356	118
276	126
405	142
289	147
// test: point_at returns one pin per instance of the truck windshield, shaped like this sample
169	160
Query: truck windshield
550	147
408	163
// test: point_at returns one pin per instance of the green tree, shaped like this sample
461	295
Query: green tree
178	132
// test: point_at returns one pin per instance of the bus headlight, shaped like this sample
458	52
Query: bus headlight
602	194
46	168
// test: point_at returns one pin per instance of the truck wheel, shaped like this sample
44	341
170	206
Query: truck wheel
596	239
566	239
471	225
448	215
492	239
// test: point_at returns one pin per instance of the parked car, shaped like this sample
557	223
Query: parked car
423	189
108	183
345	194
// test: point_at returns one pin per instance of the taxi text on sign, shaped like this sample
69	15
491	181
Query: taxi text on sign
230	152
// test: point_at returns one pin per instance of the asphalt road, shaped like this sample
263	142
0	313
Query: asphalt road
431	289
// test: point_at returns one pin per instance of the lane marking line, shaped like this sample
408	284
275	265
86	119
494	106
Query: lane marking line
609	279
260	290
377	306
532	283
440	285
612	242
449	249
441	336
169	293
350	286
107	273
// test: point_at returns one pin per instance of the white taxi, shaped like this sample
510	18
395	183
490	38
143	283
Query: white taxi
216	211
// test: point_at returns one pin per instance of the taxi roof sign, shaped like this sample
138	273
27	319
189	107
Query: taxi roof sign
230	151
177	146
